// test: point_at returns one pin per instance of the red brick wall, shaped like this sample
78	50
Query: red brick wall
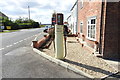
108	20
111	35
119	32
89	9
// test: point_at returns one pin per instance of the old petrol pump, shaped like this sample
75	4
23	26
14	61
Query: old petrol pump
59	37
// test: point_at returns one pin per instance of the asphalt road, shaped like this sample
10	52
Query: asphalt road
19	60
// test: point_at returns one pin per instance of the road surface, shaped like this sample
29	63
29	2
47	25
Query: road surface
19	60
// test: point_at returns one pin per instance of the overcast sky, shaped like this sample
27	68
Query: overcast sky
41	10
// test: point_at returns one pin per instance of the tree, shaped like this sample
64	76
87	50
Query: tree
26	23
20	23
8	22
35	25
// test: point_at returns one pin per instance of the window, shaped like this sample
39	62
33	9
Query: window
81	27
81	3
91	28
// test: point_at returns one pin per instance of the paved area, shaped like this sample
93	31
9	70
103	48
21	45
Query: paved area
80	58
114	63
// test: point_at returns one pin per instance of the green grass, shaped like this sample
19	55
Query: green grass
13	30
9	31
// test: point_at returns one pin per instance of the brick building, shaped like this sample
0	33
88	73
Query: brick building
98	24
74	18
2	17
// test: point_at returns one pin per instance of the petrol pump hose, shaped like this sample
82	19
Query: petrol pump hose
65	37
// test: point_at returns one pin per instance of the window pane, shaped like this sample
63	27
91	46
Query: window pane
93	21
94	29
88	34
91	31
88	30
93	37
81	27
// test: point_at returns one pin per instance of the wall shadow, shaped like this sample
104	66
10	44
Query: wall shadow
116	75
72	41
88	67
117	60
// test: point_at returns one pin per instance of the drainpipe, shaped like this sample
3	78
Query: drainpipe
77	17
102	27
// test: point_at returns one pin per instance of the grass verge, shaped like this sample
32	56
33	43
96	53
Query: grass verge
6	31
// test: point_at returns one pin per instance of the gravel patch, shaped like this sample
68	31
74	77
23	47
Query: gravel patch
82	59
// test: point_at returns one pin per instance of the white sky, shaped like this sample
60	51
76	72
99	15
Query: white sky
41	10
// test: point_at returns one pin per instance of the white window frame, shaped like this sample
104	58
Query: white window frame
90	29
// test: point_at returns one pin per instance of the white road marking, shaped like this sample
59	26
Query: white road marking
25	39
35	39
2	49
31	44
16	43
20	40
30	37
9	46
35	35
